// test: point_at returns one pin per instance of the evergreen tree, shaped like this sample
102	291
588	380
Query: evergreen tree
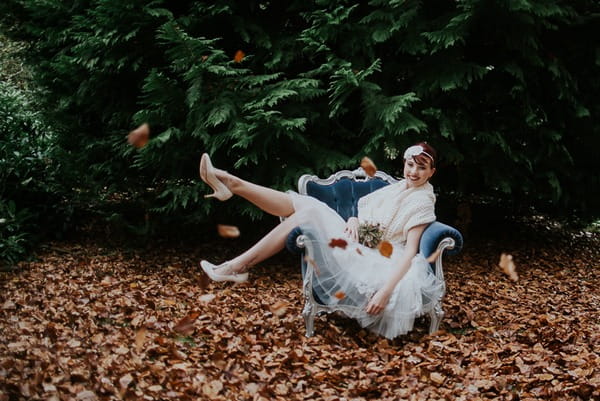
504	89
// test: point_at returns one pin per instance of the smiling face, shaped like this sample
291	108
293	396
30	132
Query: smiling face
418	172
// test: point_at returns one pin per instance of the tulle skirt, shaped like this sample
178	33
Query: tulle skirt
348	277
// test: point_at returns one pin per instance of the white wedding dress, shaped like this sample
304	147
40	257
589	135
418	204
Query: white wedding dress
350	276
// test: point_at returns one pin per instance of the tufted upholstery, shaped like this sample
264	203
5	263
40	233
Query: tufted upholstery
343	195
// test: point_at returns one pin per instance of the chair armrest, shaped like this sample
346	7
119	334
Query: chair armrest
435	233
291	243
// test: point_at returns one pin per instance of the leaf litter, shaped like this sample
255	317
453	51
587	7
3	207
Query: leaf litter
104	324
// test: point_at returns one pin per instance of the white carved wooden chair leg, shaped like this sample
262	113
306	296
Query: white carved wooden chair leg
436	315
309	313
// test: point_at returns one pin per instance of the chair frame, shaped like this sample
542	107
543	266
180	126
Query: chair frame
312	308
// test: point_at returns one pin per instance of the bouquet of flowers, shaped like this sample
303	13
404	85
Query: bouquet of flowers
370	234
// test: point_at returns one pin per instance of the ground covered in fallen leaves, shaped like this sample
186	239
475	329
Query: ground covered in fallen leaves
90	322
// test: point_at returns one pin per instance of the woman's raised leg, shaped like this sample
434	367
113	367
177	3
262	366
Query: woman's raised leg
269	200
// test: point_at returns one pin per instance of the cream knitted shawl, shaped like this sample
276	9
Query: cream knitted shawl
398	209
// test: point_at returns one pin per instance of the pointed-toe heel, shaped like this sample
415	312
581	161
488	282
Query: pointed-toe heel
209	269
207	174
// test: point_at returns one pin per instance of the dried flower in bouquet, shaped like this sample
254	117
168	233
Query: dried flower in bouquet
370	234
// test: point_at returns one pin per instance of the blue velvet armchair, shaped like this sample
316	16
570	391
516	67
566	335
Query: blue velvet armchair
341	192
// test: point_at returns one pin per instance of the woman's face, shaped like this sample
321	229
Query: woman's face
417	174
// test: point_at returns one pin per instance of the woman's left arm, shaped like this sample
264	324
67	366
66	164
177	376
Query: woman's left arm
381	298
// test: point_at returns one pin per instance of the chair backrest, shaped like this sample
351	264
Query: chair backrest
342	190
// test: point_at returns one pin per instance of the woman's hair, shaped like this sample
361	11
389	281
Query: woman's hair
421	153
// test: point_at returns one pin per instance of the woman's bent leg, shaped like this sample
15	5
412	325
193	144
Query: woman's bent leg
268	246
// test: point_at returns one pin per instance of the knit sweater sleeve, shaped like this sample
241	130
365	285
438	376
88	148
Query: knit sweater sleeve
420	209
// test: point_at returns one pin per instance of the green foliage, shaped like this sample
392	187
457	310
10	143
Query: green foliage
31	206
14	233
504	89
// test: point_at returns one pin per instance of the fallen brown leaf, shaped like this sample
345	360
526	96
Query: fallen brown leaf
64	333
279	308
212	389
206	298
140	339
437	378
186	325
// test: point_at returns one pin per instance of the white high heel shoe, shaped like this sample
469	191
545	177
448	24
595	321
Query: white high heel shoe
207	173
209	269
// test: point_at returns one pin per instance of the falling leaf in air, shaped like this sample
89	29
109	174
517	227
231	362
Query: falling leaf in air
279	308
434	256
186	325
385	248
239	56
139	136
226	231
508	266
338	243
340	295
203	280
368	165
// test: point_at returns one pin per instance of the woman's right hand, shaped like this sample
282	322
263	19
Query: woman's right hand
351	229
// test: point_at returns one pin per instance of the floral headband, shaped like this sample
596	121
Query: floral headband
416	150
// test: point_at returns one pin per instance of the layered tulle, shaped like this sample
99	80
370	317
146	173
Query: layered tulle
348	277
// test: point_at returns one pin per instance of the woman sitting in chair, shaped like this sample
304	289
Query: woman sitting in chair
383	292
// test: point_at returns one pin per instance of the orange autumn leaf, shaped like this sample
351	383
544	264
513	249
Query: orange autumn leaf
239	56
340	295
385	248
186	325
368	165
226	231
338	243
139	136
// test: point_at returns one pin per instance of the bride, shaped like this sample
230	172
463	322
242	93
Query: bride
384	292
